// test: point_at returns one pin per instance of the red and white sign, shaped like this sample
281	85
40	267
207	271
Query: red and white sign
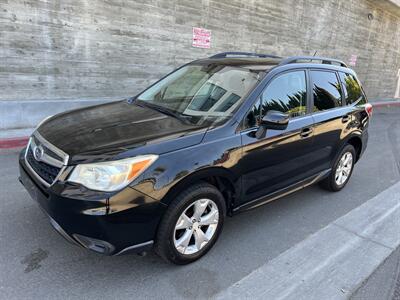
201	38
353	60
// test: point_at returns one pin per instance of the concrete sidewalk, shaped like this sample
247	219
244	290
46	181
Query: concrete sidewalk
333	262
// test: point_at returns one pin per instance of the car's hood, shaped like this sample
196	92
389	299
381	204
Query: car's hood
116	127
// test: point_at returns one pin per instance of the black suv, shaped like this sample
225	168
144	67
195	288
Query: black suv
213	138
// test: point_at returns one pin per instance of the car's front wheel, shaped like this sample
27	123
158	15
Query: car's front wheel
191	225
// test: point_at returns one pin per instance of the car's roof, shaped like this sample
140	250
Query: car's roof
267	63
239	61
252	63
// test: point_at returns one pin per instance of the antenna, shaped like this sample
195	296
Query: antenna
315	53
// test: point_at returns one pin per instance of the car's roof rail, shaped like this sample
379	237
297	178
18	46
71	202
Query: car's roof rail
324	60
245	54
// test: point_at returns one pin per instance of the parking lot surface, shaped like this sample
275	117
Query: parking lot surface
36	262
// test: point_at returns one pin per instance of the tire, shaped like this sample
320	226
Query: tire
172	242
332	182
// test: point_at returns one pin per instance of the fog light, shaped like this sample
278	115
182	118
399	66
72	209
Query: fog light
96	245
61	231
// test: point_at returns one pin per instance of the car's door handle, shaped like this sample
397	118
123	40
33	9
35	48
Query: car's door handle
306	132
345	118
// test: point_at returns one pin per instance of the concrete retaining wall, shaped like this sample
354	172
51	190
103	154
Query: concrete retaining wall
64	51
27	114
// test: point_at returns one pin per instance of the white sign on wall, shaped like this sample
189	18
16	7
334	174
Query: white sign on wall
201	38
353	60
397	93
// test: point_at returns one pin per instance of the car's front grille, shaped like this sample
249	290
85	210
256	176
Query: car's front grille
47	172
36	141
44	160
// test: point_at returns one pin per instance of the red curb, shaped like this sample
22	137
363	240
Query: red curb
385	104
13	142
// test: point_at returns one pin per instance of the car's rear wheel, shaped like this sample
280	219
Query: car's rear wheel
341	171
191	225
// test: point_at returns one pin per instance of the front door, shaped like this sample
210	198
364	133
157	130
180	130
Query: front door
282	157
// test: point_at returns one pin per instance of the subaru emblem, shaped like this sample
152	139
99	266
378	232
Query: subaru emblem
38	152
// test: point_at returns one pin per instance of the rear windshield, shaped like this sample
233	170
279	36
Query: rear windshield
209	92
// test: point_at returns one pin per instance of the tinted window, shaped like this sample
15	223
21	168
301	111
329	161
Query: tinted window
326	90
286	93
253	116
206	97
352	89
228	103
203	92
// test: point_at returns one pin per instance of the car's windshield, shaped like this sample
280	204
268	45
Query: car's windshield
202	92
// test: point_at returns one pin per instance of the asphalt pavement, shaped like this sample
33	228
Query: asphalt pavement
36	263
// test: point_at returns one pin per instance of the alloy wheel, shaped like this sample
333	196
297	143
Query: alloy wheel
196	226
343	169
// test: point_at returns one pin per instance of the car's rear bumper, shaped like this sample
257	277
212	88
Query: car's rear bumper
364	142
112	225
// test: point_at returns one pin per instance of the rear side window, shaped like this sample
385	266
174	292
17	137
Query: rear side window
326	90
286	93
352	89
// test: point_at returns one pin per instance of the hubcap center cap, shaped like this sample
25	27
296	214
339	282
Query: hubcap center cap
196	225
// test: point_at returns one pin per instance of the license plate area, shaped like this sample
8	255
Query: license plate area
33	190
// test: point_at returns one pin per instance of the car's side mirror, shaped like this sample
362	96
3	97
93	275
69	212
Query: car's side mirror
272	120
275	120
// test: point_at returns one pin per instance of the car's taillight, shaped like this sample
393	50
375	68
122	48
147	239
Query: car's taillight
368	109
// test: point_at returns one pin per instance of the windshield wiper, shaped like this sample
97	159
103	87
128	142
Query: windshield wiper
163	110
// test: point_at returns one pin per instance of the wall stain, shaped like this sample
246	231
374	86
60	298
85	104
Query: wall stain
33	260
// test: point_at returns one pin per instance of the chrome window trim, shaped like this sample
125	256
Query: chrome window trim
327	111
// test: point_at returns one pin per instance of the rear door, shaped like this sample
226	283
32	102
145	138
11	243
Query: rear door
282	157
330	117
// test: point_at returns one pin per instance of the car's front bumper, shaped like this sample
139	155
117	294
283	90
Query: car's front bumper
108	224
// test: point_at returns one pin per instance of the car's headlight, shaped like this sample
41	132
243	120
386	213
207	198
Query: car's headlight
113	175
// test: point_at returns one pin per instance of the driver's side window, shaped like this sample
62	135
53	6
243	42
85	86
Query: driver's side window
253	116
285	93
